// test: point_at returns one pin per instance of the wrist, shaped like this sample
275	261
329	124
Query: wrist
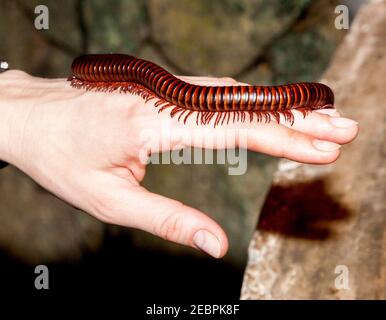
15	110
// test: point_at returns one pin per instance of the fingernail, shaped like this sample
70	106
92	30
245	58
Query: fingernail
343	122
323	145
330	112
207	242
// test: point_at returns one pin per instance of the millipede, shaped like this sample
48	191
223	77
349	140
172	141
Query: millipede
127	74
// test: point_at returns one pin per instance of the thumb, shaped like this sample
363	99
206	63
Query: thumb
169	219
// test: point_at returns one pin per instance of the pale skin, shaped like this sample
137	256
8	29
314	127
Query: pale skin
84	147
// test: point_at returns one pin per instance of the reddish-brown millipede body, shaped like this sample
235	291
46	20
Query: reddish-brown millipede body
108	72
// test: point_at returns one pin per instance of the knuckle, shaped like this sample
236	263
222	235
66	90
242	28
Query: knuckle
103	208
291	142
171	227
292	137
229	79
18	73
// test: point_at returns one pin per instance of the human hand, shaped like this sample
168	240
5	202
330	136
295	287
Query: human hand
85	148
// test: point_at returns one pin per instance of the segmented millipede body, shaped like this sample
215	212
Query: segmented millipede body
109	72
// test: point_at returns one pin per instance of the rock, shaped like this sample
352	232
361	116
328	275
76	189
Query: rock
120	30
217	38
322	230
40	52
37	228
301	51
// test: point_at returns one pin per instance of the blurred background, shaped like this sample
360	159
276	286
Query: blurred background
255	41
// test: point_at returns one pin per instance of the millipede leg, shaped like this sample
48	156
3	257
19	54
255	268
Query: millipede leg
187	116
179	117
174	111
